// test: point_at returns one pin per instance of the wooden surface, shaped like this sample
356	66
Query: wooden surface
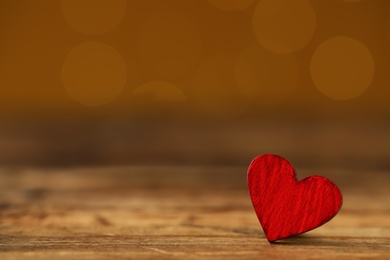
178	213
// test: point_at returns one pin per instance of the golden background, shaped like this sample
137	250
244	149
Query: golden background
94	81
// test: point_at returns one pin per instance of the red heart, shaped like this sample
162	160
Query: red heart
286	206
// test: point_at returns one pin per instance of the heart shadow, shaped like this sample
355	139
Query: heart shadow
306	240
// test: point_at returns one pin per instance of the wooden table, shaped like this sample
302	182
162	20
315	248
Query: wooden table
176	213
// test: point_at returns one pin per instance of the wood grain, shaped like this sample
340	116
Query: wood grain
176	213
285	206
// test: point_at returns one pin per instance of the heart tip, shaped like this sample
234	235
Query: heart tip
272	240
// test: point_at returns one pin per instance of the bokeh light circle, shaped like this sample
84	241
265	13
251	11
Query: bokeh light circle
342	68
265	77
94	73
284	26
93	17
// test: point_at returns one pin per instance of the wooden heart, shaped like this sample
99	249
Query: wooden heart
285	206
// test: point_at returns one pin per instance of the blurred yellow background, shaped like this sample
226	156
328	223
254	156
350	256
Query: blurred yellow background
83	71
204	58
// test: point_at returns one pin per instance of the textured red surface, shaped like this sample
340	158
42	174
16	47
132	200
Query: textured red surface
286	206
